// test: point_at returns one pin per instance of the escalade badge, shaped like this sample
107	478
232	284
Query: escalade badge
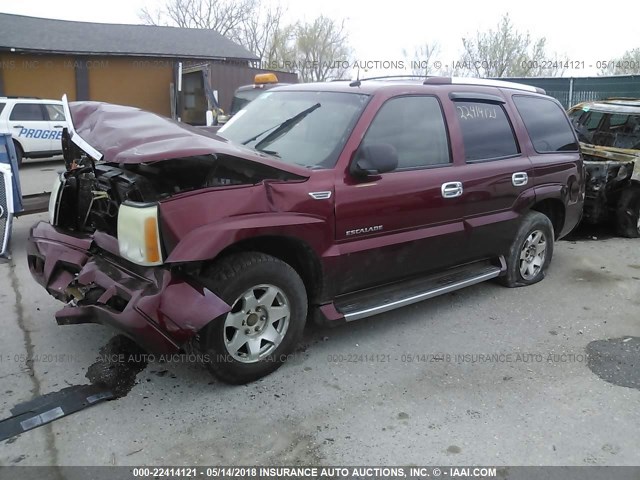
360	231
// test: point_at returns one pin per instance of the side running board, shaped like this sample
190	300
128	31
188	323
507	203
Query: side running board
383	299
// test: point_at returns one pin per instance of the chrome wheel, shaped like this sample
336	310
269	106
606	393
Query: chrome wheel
533	255
257	323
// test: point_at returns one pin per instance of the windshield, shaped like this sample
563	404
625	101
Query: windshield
619	130
242	97
303	128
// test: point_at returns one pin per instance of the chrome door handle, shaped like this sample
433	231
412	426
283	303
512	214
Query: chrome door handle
451	189
519	179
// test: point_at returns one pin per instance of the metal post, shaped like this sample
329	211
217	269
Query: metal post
570	93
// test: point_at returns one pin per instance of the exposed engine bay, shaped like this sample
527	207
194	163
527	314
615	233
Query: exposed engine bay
92	193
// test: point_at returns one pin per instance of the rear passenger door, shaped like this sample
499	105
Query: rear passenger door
398	224
496	173
29	125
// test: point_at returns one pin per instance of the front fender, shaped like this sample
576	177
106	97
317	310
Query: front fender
207	241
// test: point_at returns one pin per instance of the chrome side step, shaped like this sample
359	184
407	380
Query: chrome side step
390	298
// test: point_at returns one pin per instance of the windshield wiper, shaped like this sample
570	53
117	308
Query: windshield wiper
282	128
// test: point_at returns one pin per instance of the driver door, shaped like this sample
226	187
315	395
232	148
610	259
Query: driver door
399	224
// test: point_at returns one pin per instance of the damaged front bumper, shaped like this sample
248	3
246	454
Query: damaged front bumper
158	308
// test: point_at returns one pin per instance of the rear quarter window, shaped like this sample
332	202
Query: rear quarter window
546	124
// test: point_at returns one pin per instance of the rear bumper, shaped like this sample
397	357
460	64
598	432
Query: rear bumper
159	309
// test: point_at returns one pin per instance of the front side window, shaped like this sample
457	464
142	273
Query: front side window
307	128
27	112
546	124
486	131
415	127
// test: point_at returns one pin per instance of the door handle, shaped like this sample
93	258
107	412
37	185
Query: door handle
58	126
18	126
451	189
519	179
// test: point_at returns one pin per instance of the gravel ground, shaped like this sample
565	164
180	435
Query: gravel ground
486	375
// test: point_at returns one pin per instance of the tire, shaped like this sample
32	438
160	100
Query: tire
249	342
531	251
19	153
628	213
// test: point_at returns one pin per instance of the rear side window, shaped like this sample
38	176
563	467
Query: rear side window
546	124
55	112
486	131
414	125
27	111
2	107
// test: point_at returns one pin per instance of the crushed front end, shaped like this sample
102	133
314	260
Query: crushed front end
159	308
608	173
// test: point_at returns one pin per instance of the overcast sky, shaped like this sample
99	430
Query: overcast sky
584	33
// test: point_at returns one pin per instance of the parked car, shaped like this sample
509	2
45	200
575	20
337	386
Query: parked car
332	201
35	124
609	134
248	93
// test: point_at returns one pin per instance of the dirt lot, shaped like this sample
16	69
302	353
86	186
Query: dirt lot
487	375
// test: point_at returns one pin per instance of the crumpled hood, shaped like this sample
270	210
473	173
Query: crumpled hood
128	135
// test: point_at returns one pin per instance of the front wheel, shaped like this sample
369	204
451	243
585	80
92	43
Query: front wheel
531	251
268	313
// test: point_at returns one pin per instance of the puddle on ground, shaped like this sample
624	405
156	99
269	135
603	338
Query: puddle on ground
112	376
616	360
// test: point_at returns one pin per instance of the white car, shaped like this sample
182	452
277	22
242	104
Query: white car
35	125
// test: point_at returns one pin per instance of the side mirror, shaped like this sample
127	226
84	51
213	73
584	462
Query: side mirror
374	159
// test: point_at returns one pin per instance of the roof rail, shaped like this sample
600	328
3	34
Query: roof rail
12	97
482	81
436	80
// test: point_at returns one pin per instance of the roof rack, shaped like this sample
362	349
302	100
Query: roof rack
488	82
436	80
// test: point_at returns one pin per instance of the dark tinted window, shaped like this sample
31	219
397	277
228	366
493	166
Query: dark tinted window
2	107
486	131
27	111
415	127
545	121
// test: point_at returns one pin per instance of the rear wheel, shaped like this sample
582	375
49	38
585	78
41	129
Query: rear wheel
268	312
628	213
531	251
19	153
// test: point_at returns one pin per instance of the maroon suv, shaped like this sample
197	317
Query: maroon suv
332	201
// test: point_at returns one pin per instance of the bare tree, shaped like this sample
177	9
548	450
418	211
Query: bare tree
627	64
261	30
421	62
227	17
504	52
281	52
321	49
